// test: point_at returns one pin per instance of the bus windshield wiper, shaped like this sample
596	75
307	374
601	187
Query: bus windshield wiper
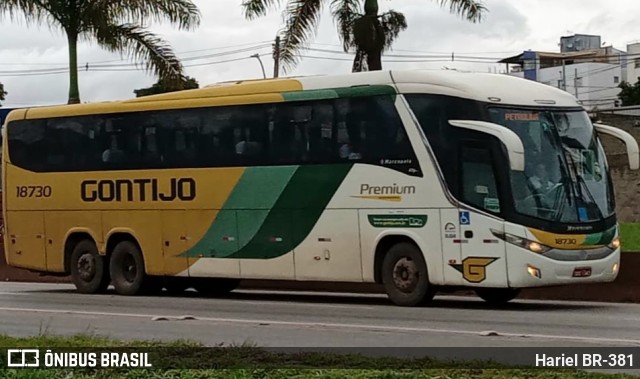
581	183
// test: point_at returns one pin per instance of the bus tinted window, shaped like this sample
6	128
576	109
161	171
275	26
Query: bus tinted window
433	113
27	144
365	130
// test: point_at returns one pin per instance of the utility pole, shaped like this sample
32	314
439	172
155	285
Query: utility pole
575	82
276	58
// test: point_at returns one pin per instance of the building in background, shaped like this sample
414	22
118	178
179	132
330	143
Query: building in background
583	67
633	62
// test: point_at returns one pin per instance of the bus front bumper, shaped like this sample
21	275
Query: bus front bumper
526	269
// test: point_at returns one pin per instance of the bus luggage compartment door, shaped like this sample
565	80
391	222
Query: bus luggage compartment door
25	240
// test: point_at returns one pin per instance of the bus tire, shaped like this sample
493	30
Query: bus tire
497	296
405	276
127	270
215	287
88	268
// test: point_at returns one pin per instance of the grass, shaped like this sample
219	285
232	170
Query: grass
247	361
630	237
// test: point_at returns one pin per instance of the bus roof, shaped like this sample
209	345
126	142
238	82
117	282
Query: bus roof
486	87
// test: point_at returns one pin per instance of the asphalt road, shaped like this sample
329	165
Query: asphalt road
321	320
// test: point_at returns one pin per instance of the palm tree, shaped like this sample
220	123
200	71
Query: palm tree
3	93
369	34
115	25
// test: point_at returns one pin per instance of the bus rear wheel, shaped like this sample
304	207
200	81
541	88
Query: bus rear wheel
497	296
127	270
405	276
88	269
214	287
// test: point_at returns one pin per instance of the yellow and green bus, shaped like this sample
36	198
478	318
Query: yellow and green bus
422	181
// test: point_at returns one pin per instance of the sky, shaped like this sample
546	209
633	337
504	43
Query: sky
220	48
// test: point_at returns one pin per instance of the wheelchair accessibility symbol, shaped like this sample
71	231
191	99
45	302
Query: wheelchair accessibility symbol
465	218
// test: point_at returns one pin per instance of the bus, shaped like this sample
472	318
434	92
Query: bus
421	181
3	114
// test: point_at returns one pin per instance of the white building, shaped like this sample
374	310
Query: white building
591	74
595	85
633	62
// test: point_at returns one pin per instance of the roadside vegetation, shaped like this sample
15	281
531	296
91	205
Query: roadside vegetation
630	237
247	361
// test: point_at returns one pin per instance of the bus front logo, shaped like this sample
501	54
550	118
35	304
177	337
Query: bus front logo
474	269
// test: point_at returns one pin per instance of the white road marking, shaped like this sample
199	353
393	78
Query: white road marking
275	302
364	327
249	302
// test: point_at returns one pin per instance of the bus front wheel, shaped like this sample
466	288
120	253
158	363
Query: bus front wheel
127	269
405	277
88	269
497	296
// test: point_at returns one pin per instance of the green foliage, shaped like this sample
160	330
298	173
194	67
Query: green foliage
3	93
246	361
165	85
630	237
629	94
114	25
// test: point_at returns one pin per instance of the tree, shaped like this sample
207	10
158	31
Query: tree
630	94
3	93
369	34
164	86
113	24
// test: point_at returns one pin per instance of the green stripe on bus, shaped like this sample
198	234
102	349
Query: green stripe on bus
603	238
270	211
256	192
320	94
355	91
366	90
295	213
260	187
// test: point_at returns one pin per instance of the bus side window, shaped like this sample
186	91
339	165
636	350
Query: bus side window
249	127
26	141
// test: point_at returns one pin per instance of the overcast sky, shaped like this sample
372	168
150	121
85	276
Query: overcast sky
507	29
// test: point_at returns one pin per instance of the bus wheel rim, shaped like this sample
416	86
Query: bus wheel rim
129	268
87	267
405	275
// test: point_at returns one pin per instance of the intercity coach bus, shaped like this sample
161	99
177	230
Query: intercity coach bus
421	181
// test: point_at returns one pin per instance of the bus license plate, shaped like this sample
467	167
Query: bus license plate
582	272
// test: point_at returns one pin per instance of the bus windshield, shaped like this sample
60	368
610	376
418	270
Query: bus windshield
565	177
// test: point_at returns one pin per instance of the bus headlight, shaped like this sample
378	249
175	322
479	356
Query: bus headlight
524	243
615	244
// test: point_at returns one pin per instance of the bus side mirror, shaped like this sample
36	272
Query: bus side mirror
632	145
511	141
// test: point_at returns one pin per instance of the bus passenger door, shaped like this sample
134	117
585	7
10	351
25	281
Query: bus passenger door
483	260
451	251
